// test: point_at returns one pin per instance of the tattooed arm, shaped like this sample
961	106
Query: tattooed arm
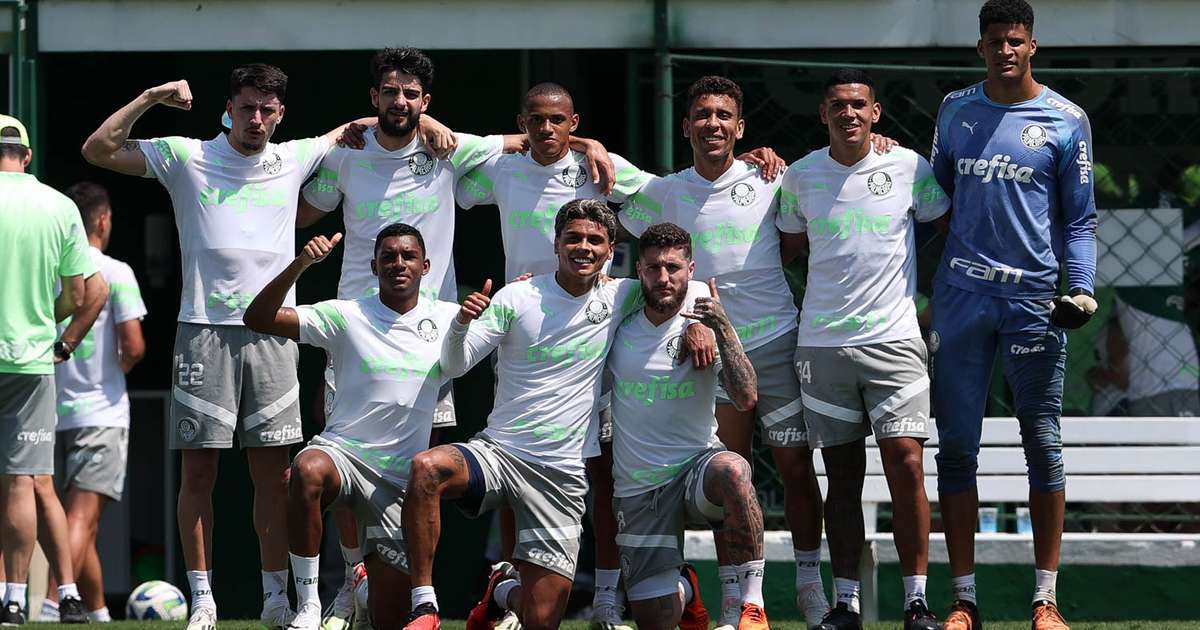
737	374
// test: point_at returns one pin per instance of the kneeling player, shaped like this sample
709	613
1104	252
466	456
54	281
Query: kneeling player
670	469
860	358
385	349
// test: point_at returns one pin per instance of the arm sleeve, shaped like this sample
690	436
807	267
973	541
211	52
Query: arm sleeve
165	157
1078	203
124	295
323	192
309	153
939	155
630	179
466	345
75	258
473	151
321	324
928	198
791	218
645	207
478	186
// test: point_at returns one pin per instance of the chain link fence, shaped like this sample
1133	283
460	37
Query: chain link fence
1138	357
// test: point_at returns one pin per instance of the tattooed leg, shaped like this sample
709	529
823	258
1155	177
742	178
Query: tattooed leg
727	484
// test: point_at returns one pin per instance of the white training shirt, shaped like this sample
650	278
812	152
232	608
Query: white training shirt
552	348
91	385
862	271
1162	354
387	373
734	239
529	195
377	187
236	216
663	411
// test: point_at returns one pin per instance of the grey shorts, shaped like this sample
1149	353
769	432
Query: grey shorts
376	503
1176	402
93	459
27	421
779	409
231	379
854	390
443	414
548	504
650	525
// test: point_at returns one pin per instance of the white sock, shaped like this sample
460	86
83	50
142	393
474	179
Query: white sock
847	592
685	590
1044	583
202	595
914	589
352	555
731	595
424	595
305	570
808	566
100	615
274	584
502	591
963	587
68	590
49	610
15	592
750	580
605	593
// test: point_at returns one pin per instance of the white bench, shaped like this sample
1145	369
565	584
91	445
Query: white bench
1122	459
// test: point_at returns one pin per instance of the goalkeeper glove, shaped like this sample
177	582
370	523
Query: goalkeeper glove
1073	310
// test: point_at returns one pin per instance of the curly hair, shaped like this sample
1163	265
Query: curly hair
405	61
1005	12
665	236
589	210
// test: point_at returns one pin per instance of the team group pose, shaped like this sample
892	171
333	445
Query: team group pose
640	393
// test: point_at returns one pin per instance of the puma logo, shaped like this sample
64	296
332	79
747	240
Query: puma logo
970	127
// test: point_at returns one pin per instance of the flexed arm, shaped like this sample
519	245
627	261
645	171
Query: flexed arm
109	146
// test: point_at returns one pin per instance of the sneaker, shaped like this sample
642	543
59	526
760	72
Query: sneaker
307	618
48	613
72	610
510	621
1047	617
340	614
918	617
424	617
841	618
12	615
486	614
278	617
362	598
202	619
811	601
608	617
695	616
753	618
963	615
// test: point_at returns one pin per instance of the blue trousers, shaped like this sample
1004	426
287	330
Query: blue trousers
968	329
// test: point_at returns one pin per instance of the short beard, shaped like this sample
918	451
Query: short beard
406	124
665	305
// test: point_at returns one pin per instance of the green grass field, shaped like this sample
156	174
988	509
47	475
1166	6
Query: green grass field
580	625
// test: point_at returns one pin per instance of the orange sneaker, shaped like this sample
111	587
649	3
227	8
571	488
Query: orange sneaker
753	618
486	613
695	616
424	617
1047	617
963	615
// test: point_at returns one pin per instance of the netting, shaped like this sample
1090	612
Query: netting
1138	357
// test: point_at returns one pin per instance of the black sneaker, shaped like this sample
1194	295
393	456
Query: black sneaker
918	617
12	615
72	610
840	618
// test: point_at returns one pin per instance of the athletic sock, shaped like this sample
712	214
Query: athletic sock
731	595
847	592
15	592
274	584
502	591
305	570
685	590
605	593
914	589
351	555
808	566
100	615
202	596
68	590
963	587
750	580
424	595
49	611
1044	583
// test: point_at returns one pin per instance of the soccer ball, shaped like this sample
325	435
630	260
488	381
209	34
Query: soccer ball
156	600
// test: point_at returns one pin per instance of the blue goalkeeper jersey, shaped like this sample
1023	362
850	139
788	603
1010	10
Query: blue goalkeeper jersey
1020	177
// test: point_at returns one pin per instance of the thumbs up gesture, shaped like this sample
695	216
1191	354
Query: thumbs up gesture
475	304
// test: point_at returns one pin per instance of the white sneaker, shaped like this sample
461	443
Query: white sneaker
279	617
340	614
509	621
608	617
307	618
202	619
810	600
362	591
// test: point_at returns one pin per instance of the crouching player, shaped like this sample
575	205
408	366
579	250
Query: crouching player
385	351
669	467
